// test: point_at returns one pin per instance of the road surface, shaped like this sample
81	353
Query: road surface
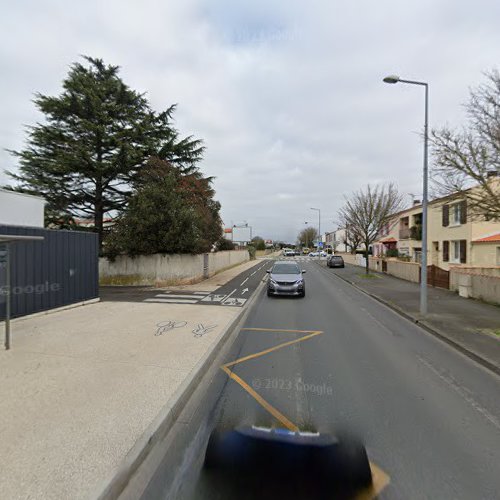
429	416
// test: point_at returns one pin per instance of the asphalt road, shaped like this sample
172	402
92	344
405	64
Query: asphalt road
429	417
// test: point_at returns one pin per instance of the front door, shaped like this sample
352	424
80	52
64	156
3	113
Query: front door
435	253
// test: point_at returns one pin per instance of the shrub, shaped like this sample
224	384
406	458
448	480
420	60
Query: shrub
225	244
252	251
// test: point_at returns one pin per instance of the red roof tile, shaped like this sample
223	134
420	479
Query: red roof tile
487	239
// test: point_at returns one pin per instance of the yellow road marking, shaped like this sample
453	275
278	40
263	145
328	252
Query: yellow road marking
271	409
380	481
271	349
379	477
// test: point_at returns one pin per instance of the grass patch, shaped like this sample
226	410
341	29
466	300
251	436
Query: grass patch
491	331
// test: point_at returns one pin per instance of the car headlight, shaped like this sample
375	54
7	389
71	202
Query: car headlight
272	281
299	281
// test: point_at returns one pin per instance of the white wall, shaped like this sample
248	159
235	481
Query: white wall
164	270
18	209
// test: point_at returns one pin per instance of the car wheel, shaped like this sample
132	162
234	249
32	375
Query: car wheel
269	294
303	294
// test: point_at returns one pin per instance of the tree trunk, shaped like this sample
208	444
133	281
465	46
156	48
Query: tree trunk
98	214
367	264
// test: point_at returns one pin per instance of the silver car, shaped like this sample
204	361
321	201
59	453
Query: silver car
286	278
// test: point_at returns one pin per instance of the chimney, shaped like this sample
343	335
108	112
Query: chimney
416	202
491	173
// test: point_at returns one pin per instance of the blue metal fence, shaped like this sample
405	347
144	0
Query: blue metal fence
60	270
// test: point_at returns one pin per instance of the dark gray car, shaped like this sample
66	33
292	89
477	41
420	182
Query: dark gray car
335	261
286	278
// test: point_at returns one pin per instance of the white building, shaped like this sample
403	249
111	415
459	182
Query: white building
19	209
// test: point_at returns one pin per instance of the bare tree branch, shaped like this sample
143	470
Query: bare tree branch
467	162
366	211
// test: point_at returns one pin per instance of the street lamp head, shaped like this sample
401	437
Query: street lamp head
391	79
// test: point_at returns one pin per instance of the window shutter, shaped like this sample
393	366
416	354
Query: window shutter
463	251
463	212
446	251
446	215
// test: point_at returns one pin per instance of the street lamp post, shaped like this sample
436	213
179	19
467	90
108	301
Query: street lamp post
319	226
307	246
423	274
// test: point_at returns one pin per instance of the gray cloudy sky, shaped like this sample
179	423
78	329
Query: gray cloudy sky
288	96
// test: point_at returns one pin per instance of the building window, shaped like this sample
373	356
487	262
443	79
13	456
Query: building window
456	215
498	256
458	251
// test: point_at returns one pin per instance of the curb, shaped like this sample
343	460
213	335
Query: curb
113	487
430	329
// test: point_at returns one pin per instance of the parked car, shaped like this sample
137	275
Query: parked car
313	254
286	278
323	254
288	253
335	261
306	251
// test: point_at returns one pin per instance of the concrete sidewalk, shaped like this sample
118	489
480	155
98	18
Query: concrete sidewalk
470	325
81	386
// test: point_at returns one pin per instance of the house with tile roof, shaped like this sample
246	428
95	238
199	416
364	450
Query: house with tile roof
454	236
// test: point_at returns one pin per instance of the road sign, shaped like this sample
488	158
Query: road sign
320	244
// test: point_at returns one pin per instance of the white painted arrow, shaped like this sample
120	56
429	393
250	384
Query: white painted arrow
244	291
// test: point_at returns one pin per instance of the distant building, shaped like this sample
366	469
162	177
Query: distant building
336	240
20	209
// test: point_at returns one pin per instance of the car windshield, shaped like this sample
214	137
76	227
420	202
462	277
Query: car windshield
285	269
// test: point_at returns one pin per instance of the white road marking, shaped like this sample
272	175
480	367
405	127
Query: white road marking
244	281
227	296
179	296
213	298
245	290
233	301
173	301
253	273
201	293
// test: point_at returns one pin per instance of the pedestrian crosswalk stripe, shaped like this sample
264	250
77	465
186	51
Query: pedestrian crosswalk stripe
172	301
183	296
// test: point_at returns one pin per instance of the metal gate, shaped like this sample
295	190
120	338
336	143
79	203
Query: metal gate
60	270
438	277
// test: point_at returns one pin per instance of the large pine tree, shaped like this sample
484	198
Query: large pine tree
97	135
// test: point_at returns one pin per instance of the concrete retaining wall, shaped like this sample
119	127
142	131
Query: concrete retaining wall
168	269
478	283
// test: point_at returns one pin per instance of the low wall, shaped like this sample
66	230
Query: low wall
167	269
478	283
223	260
409	271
